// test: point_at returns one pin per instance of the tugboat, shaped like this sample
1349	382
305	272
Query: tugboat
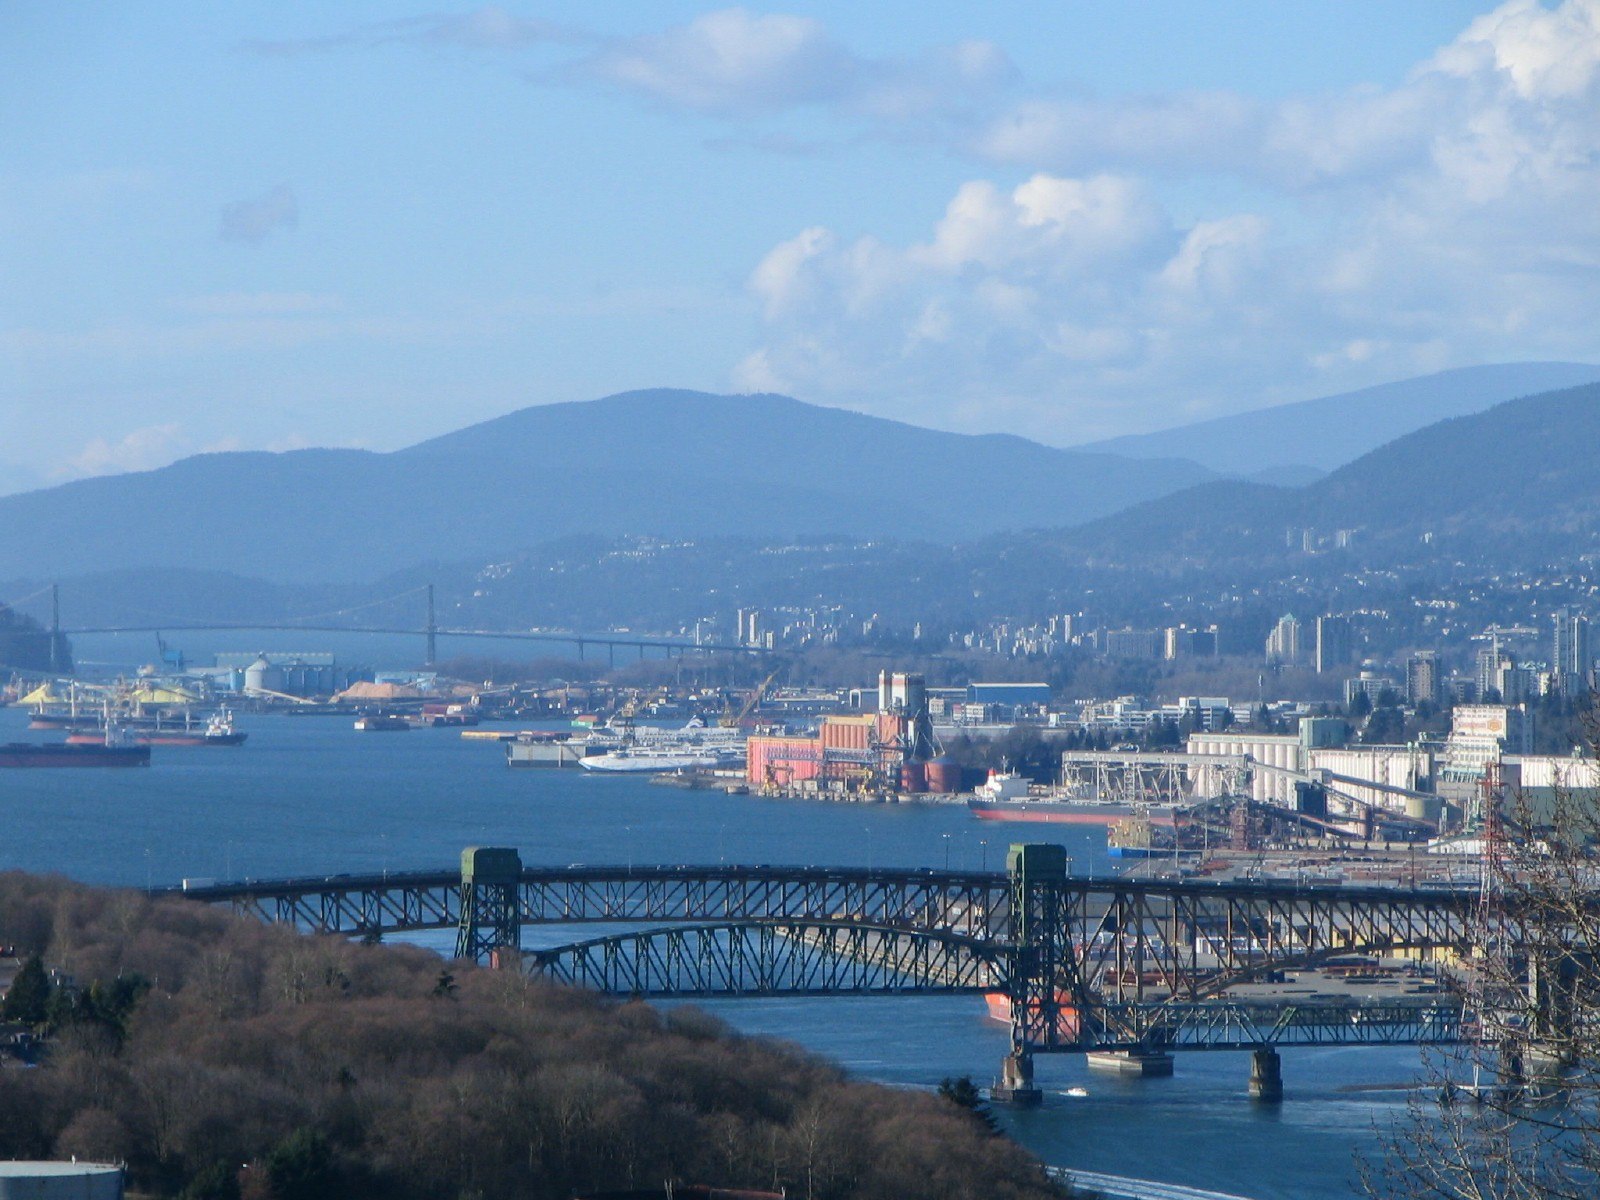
382	723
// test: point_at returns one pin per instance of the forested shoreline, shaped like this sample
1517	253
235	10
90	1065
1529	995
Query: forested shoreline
222	1059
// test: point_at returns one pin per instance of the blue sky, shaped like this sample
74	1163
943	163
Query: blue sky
269	225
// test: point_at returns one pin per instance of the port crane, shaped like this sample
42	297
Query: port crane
732	720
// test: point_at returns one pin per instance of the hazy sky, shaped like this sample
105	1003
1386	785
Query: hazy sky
271	224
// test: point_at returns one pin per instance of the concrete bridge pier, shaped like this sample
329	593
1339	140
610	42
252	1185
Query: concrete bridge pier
1266	1075
1016	1084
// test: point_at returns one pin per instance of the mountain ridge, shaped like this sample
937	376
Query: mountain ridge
662	462
1327	432
1515	479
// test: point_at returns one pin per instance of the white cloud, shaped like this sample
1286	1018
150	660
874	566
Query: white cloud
729	62
733	62
1170	134
253	220
1546	54
148	448
138	450
1449	219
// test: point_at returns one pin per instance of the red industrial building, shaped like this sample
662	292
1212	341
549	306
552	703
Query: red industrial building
887	748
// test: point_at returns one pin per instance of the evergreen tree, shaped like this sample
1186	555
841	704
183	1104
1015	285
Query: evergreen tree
28	1000
302	1167
964	1094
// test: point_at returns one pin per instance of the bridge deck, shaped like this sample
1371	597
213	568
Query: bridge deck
1110	962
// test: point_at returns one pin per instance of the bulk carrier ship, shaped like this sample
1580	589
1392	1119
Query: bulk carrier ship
109	752
1007	796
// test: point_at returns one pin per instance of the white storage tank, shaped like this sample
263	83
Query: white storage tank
60	1181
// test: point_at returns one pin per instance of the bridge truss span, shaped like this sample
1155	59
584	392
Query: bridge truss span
1130	964
773	958
971	904
1195	941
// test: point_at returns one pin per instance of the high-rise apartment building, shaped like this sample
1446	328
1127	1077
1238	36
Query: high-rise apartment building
1283	643
1571	658
1422	677
1335	645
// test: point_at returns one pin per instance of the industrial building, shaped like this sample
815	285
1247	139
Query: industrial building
300	674
892	748
1010	696
1481	735
1319	747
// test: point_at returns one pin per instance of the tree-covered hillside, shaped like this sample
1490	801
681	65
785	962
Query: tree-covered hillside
223	1059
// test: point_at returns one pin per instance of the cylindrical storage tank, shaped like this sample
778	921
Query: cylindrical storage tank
262	676
943	775
912	778
1424	808
60	1181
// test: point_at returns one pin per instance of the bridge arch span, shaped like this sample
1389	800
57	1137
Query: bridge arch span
775	957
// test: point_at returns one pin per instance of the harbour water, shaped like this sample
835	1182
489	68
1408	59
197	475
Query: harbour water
310	796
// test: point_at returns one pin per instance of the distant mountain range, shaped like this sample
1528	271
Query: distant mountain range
1511	487
1274	445
1519	480
537	517
664	463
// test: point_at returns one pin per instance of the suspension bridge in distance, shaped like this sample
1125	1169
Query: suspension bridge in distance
429	632
1128	967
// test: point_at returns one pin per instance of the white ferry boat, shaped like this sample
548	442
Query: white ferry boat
657	760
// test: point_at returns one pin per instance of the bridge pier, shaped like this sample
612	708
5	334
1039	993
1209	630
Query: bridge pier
1266	1075
1016	1084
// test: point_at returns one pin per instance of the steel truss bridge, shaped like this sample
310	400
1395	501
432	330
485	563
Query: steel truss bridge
1114	964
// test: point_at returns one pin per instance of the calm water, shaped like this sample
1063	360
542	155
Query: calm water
311	796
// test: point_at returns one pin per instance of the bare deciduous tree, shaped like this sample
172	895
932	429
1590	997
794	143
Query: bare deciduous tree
1513	1113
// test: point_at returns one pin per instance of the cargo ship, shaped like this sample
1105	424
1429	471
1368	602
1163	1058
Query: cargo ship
999	1009
1006	796
218	731
61	754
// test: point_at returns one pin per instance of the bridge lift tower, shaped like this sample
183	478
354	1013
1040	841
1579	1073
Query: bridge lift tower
491	921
